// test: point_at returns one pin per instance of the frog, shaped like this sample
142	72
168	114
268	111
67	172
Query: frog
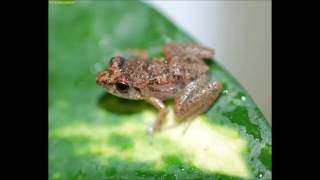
181	74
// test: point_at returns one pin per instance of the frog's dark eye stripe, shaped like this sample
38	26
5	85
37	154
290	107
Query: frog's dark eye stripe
117	60
122	87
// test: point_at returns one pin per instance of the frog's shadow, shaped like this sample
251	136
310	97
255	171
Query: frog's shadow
122	106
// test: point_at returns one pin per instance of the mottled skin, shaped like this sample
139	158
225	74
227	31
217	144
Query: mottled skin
181	75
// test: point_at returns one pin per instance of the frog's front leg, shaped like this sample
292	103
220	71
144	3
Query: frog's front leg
162	114
196	98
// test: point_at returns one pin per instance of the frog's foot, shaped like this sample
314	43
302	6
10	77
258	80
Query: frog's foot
157	127
189	121
150	133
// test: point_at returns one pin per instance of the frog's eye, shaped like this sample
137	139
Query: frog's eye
122	87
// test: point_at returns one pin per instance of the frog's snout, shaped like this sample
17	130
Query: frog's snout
100	78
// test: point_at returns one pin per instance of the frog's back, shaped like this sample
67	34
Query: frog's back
168	79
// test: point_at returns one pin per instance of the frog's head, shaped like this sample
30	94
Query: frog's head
114	81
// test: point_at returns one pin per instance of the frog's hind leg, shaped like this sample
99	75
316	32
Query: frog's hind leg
138	53
191	50
197	98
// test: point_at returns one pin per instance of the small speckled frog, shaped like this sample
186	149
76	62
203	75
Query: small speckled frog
181	75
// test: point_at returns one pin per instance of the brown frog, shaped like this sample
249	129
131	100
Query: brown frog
181	75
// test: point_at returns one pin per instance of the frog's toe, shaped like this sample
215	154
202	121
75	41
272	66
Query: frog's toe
150	131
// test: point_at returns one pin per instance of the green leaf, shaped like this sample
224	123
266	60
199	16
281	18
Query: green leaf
93	135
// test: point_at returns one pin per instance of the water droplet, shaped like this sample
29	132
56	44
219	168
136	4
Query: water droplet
243	98
104	43
260	175
96	68
56	175
225	91
167	39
